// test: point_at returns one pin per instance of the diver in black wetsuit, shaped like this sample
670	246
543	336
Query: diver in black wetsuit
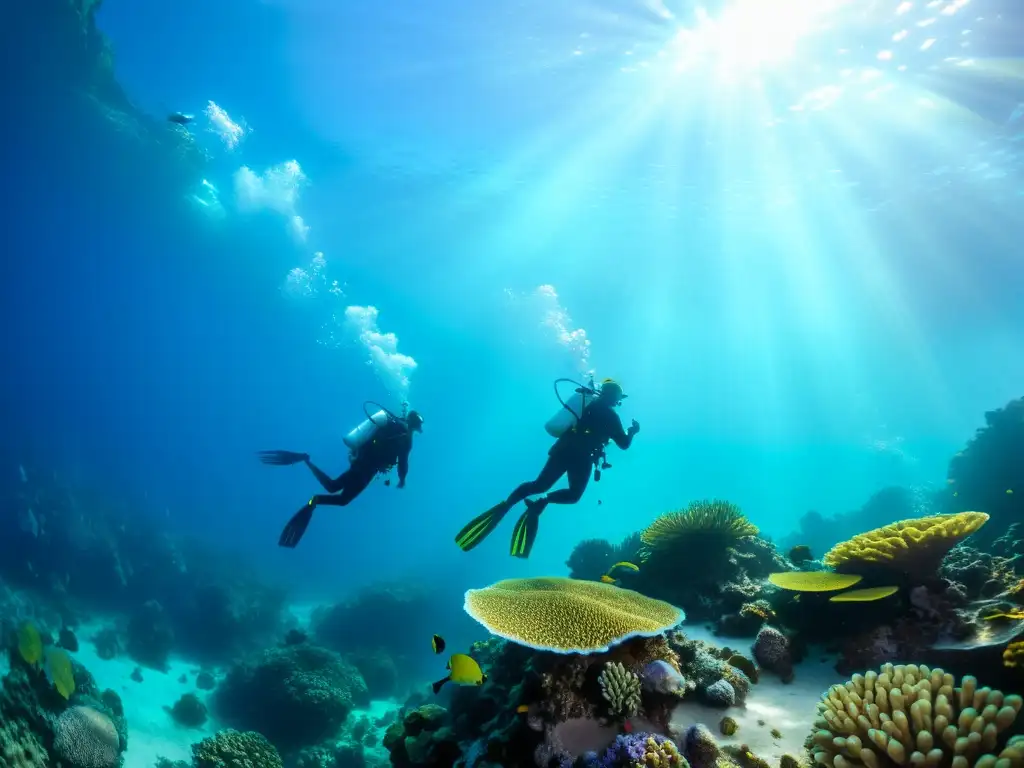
390	446
574	454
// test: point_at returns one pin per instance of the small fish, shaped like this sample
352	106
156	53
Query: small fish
462	670
1009	491
607	579
522	709
626	565
180	118
437	643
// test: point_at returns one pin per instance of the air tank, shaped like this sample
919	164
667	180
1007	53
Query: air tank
363	433
567	416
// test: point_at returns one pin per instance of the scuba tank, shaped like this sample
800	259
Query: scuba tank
572	409
368	428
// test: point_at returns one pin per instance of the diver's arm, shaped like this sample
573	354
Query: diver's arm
403	462
621	437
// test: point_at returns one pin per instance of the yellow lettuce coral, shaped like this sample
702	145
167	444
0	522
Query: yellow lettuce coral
913	715
813	581
916	546
568	615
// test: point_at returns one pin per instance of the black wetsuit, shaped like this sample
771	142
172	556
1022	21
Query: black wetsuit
390	446
573	455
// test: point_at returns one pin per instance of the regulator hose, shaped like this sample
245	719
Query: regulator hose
579	388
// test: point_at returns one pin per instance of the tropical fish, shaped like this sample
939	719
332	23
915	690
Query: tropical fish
462	670
522	709
608	579
59	672
30	644
437	643
623	564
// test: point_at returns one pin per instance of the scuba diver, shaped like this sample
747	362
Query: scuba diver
583	428
379	443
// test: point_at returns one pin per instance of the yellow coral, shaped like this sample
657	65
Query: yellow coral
568	615
717	518
916	546
913	715
868	595
813	581
1013	654
658	755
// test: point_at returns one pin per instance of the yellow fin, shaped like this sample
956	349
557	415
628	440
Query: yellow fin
30	645
867	595
813	581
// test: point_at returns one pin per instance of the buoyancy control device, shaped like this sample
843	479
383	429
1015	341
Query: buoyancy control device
366	430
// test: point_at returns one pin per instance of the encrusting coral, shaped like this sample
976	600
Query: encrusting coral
568	615
620	688
234	749
914	546
913	715
86	738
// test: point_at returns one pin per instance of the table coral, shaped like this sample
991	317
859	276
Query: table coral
568	615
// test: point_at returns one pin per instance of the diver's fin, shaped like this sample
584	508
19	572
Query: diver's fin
293	532
436	687
477	529
282	458
525	531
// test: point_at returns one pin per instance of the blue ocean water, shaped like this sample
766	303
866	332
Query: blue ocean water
804	306
795	242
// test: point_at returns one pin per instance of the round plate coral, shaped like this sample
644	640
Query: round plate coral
568	615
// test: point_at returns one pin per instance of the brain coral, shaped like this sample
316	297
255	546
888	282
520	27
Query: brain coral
913	715
568	615
86	738
916	546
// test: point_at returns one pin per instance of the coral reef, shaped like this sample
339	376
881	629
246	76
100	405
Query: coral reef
771	651
295	696
86	738
422	738
568	615
234	749
986	474
915	547
620	688
914	715
189	711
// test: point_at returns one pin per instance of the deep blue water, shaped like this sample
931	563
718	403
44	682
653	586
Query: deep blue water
804	307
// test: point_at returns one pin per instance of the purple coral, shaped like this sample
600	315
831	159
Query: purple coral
628	749
771	651
661	677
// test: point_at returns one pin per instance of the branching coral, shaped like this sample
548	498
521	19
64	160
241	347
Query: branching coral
915	546
568	615
620	688
913	715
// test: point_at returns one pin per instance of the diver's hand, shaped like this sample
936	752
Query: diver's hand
401	483
634	427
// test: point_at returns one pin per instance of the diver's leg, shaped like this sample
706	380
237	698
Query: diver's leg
579	477
330	485
553	470
354	483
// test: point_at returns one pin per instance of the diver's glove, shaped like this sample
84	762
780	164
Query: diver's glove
634	427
